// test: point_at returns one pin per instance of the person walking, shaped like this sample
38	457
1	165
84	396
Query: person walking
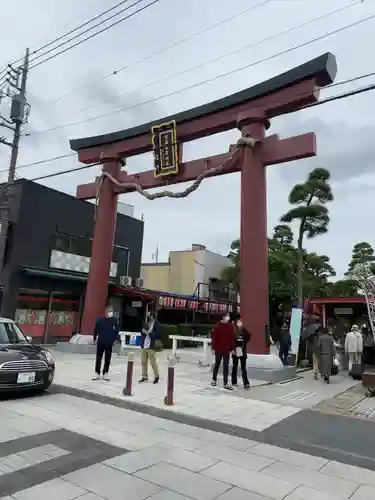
310	332
326	353
313	343
150	345
239	356
105	333
354	346
368	345
285	343
223	343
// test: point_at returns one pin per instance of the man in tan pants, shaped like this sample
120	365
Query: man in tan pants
315	360
314	346
150	335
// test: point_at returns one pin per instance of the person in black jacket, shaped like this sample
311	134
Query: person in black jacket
105	333
239	355
151	334
285	343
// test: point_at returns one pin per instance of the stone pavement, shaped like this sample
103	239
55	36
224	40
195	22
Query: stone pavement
351	403
64	447
256	410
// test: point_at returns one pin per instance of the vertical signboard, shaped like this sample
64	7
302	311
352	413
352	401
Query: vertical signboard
165	148
295	331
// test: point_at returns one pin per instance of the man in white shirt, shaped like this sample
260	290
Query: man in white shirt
354	346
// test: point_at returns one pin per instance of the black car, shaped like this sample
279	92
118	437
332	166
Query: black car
23	366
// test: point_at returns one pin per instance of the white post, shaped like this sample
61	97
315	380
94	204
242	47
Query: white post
205	353
174	347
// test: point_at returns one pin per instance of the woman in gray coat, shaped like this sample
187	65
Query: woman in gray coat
327	352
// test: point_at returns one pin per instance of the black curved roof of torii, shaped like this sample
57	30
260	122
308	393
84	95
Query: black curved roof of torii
324	68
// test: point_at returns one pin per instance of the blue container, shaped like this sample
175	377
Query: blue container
135	339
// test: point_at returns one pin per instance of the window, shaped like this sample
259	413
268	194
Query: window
62	241
11	334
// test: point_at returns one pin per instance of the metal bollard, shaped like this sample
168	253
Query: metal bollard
127	391
168	400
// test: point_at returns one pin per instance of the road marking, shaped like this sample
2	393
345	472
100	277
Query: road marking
297	396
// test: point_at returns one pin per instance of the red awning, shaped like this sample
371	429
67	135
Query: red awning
338	300
135	293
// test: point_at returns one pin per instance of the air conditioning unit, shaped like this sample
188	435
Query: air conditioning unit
126	281
140	283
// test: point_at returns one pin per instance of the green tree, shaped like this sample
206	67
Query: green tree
316	272
309	200
232	273
281	267
282	270
343	288
283	234
362	253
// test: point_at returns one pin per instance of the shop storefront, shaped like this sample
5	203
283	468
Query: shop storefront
47	260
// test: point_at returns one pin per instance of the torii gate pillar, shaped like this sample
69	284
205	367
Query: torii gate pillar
102	248
253	236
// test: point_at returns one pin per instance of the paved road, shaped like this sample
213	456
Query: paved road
335	437
89	447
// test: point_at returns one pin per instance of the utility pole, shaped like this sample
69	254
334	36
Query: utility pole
155	255
18	114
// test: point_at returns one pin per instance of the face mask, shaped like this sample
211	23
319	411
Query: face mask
109	314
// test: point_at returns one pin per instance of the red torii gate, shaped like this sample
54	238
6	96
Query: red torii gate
248	110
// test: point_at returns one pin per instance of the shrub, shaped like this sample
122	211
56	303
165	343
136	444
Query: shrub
194	330
166	331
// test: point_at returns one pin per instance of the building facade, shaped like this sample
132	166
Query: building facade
47	258
191	272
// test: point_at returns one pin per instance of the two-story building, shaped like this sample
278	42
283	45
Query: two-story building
196	271
47	257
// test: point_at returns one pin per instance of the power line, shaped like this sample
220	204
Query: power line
322	101
209	80
48	44
168	47
228	54
344	95
98	32
40	162
62	172
98	16
65	42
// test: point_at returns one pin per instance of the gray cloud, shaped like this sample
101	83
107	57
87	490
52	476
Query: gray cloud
112	97
347	151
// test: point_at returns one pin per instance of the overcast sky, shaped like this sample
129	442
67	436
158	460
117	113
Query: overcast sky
345	129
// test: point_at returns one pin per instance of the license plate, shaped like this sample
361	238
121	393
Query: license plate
26	378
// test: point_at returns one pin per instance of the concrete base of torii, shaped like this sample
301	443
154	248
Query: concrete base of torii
81	344
267	367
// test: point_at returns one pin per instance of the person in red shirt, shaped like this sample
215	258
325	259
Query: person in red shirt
223	343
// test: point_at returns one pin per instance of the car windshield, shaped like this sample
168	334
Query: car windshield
11	334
